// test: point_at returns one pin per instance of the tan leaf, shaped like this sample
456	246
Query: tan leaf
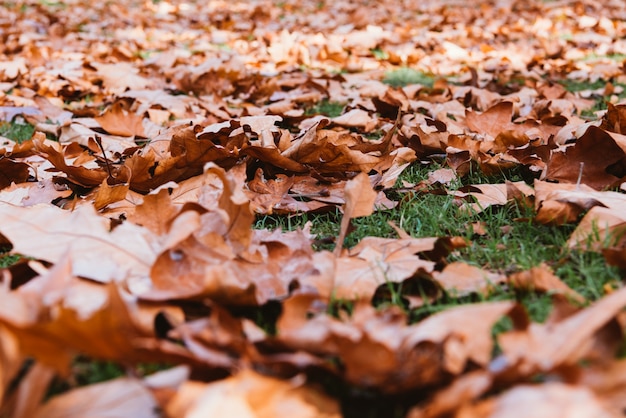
567	341
107	194
542	279
98	253
461	279
360	198
251	395
118	120
376	261
120	76
600	227
354	117
542	401
155	212
408	356
118	398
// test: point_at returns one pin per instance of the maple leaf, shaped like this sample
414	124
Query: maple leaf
373	262
79	174
117	120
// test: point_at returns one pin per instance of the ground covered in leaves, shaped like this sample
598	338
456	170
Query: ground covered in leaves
312	208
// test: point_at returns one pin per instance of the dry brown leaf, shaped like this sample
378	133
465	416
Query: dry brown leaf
406	354
107	194
119	120
542	279
600	227
251	395
590	159
155	212
543	347
358	275
542	401
496	120
463	390
24	401
10	359
116	398
98	253
360	198
460	279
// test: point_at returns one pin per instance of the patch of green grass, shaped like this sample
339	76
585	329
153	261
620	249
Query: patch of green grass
325	107
512	242
16	131
7	260
588	273
405	76
87	371
612	57
600	101
581	85
379	54
591	114
59	5
324	225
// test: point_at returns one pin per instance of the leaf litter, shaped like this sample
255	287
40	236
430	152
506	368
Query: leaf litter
164	129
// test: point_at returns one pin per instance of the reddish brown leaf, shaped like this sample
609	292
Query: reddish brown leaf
595	158
542	279
119	120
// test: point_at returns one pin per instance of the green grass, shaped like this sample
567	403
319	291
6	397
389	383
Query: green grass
405	76
575	86
7	260
512	243
87	371
612	57
581	85
18	132
379	54
326	108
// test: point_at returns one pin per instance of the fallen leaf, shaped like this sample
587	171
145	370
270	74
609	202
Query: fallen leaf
543	347
126	252
542	279
541	401
118	120
461	279
360	198
115	398
249	394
